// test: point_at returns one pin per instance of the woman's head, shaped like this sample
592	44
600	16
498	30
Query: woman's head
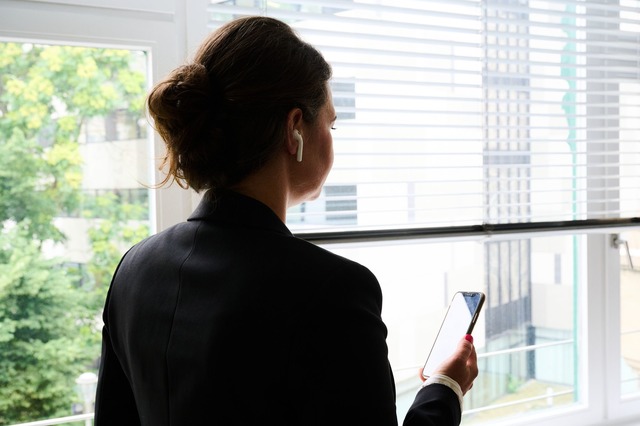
225	114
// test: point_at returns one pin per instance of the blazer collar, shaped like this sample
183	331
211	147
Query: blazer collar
232	207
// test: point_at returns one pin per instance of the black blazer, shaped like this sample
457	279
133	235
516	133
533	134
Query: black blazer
228	319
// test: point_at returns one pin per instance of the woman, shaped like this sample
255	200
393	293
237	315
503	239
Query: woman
228	318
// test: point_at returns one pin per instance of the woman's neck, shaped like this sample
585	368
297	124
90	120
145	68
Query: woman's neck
270	186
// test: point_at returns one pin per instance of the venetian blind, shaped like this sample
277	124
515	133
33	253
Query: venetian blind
462	112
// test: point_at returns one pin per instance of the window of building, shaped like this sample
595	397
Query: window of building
342	203
338	204
344	99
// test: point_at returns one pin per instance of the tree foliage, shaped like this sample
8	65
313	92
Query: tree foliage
49	314
40	314
111	237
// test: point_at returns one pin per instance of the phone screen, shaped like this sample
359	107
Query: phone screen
459	320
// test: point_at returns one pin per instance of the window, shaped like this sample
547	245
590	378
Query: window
84	217
77	160
484	145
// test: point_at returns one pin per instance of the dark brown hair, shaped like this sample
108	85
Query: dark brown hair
223	115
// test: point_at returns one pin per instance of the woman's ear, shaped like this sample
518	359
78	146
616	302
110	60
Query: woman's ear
293	133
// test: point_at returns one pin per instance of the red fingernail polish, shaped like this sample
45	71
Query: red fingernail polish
469	338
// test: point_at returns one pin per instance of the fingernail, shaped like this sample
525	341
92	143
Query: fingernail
469	338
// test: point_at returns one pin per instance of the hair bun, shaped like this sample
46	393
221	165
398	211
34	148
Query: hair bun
193	73
190	89
186	113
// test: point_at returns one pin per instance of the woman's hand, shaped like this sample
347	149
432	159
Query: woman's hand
462	366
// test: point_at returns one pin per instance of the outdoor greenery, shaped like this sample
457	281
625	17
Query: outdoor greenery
49	308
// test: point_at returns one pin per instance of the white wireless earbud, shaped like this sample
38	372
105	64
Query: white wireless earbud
298	137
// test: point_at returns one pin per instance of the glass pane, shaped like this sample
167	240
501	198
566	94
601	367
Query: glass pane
74	161
629	308
525	336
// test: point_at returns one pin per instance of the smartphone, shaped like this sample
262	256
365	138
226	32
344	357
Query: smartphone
459	320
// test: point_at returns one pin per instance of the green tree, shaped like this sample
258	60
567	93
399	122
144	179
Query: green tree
111	237
49	315
40	313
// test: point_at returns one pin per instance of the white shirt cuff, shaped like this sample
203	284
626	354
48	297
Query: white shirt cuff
448	382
